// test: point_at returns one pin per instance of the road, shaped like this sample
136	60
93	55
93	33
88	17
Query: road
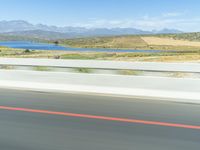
52	121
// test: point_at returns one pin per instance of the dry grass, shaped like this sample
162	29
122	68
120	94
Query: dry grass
127	42
179	58
169	41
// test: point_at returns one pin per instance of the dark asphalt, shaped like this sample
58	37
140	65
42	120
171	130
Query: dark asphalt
34	131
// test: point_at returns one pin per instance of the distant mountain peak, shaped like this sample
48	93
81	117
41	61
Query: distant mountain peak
21	28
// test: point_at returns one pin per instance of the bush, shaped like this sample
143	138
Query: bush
83	70
27	51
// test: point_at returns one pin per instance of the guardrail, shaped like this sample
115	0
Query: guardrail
110	65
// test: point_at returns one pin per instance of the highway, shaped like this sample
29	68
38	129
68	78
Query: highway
52	121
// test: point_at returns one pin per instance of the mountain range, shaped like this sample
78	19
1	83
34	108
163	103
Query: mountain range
21	28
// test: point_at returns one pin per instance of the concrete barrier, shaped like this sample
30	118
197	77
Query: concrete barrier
161	88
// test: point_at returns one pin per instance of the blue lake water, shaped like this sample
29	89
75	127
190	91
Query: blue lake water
46	46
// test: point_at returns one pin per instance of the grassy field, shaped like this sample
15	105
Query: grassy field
150	42
106	42
19	53
169	41
195	36
181	56
147	57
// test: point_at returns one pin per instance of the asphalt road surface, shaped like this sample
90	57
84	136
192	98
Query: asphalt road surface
53	121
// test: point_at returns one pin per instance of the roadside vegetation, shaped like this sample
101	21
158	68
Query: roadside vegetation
179	56
20	53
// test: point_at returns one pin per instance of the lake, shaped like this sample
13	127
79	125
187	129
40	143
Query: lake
47	46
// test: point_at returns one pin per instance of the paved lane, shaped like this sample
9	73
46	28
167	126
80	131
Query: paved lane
35	131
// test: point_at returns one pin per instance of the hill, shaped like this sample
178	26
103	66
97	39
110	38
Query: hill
37	34
154	42
4	37
106	42
195	36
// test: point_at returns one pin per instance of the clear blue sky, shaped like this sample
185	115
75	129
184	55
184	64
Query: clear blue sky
144	14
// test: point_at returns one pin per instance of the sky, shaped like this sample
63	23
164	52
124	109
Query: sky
142	14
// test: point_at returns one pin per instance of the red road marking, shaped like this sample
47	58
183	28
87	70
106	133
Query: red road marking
166	124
